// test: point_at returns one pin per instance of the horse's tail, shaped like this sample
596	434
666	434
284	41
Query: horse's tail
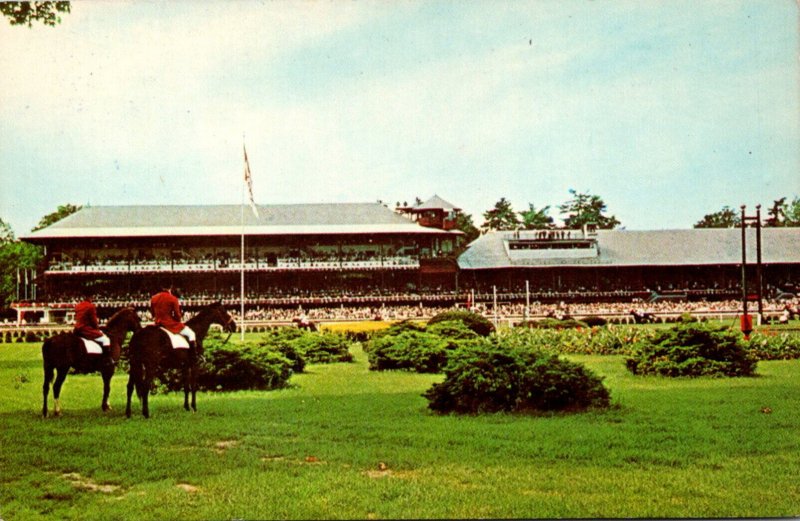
138	367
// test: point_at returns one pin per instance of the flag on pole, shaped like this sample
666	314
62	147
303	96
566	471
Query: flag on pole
248	179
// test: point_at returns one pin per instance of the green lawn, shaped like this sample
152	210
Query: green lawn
348	443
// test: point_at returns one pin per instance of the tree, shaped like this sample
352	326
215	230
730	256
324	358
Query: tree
776	213
6	233
791	213
465	224
15	256
501	217
725	218
51	218
586	208
25	13
533	219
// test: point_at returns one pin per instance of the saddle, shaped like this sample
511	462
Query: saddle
178	341
92	347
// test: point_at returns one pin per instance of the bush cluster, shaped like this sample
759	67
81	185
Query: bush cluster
473	321
587	341
488	376
265	364
692	349
229	368
424	350
774	346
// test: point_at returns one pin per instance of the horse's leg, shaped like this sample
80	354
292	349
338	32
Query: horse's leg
144	390
187	374
130	392
61	375
48	377
107	373
193	383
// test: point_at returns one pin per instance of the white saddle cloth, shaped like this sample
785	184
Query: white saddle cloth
178	341
92	347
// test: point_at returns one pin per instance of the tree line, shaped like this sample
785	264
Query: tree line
780	214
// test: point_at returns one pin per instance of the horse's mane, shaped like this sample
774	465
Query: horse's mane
204	312
116	316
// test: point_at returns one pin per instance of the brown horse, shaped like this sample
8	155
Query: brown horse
65	350
151	352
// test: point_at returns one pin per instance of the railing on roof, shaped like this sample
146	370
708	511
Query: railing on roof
287	263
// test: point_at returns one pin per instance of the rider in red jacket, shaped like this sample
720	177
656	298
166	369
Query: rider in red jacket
166	311
87	326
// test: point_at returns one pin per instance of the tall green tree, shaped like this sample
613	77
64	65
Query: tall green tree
533	219
54	217
465	224
586	208
725	218
15	256
775	215
25	13
791	212
501	217
6	233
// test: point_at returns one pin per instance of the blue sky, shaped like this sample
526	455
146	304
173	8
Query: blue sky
667	110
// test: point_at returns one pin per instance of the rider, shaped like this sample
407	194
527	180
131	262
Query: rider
166	311
87	326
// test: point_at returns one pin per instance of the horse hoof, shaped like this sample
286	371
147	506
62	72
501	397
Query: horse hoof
57	414
106	407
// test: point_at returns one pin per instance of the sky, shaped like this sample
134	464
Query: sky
668	110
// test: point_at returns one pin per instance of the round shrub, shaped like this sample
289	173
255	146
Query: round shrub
477	323
487	377
692	349
323	348
414	350
235	367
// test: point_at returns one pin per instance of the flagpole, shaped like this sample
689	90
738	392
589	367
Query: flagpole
241	266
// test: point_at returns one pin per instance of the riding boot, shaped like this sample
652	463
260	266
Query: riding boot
107	360
193	350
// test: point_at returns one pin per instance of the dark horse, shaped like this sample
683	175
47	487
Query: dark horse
66	350
151	351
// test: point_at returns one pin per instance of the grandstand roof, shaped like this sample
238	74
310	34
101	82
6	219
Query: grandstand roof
296	219
642	248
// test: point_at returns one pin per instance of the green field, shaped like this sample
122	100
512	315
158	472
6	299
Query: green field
344	442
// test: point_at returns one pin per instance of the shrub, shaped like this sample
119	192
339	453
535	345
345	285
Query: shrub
692	349
323	348
281	340
774	346
230	368
31	336
416	350
589	341
489	377
477	323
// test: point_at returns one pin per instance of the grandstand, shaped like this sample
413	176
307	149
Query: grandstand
366	255
128	252
616	264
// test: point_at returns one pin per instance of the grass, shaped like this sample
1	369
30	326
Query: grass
345	442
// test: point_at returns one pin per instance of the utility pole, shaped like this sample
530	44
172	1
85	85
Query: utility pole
745	321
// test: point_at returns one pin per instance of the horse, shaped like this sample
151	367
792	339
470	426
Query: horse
150	350
66	350
304	324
